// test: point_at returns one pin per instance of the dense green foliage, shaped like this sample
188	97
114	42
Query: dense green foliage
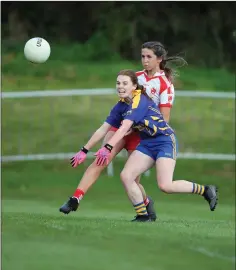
203	32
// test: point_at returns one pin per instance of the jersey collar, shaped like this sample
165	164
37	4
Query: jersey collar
134	93
155	74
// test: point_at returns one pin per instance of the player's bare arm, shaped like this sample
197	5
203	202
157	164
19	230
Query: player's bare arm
121	132
98	135
165	111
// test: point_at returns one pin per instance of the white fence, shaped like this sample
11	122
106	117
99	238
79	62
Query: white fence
106	91
109	91
110	168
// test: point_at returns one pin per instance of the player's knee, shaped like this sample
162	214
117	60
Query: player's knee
164	187
125	176
137	180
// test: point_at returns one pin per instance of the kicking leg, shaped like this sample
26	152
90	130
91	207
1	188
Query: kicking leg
165	170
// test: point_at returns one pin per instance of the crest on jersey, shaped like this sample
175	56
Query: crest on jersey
170	98
153	91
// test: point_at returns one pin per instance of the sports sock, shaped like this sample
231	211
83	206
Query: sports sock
140	209
198	189
146	201
79	194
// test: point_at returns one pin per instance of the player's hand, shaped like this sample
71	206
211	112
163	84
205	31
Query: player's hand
103	155
79	157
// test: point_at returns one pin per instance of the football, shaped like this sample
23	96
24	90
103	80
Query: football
37	50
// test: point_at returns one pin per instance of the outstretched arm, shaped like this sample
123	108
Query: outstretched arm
113	119
80	157
98	135
120	133
103	155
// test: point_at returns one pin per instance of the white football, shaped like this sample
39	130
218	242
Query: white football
37	50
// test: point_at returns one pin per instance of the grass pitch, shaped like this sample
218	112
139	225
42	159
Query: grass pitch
100	235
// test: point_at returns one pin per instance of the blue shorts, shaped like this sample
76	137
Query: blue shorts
160	146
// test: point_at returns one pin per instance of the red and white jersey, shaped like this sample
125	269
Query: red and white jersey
158	87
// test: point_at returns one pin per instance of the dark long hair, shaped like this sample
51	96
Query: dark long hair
134	79
160	51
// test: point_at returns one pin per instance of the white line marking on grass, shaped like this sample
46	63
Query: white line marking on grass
213	254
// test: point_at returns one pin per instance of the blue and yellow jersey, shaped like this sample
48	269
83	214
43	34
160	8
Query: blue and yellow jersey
143	112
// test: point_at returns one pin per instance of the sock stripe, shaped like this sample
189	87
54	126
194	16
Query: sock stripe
198	189
141	209
193	187
202	190
144	212
138	204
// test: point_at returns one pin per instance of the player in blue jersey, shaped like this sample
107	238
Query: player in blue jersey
157	80
158	146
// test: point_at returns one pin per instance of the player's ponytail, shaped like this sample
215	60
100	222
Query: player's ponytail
160	51
170	72
143	91
140	87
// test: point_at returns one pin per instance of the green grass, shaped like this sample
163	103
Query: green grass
51	180
63	124
99	235
43	241
45	125
61	71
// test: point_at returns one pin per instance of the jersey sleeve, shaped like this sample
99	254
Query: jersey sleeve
115	117
138	109
167	97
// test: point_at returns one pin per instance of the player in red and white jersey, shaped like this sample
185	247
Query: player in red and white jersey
157	80
158	87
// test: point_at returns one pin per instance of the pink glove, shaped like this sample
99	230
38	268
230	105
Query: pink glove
103	155
79	157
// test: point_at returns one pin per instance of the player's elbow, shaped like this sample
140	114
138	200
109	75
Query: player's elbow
123	129
126	125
